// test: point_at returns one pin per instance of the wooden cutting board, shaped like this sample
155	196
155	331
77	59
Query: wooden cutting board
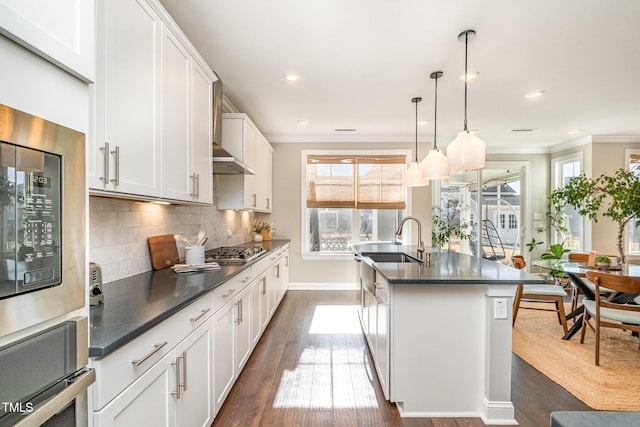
163	251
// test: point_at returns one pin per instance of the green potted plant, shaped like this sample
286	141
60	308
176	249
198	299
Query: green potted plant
616	197
262	229
603	261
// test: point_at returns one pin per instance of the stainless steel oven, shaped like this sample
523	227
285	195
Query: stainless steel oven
42	220
43	345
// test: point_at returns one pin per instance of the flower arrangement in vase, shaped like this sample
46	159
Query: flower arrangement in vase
262	230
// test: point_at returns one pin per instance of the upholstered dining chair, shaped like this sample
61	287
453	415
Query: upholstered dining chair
538	293
584	258
610	314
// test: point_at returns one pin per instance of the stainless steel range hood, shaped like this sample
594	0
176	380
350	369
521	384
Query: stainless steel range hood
223	162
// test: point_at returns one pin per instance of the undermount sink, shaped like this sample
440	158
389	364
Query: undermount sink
391	257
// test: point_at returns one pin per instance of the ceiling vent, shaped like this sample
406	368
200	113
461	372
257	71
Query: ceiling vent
344	130
522	130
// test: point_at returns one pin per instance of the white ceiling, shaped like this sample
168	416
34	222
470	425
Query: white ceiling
361	62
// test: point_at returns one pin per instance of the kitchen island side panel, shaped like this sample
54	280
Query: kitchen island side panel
440	350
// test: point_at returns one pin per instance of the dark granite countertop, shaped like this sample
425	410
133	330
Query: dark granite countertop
135	304
445	268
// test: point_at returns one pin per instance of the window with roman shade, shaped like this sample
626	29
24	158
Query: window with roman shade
356	181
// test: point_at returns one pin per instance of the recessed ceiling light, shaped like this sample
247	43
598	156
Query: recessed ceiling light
471	75
303	122
575	132
291	77
423	122
535	94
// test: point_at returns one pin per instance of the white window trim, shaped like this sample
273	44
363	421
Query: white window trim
304	221
585	224
628	254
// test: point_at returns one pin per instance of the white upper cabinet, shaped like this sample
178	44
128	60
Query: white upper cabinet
176	155
202	134
60	31
153	108
126	154
242	139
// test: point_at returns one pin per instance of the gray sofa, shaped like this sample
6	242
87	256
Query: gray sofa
594	419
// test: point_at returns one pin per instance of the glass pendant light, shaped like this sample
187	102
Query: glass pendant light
435	165
413	176
467	151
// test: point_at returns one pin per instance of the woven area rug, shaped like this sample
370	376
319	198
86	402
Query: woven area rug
614	385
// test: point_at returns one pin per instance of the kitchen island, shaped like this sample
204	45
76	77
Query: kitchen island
439	330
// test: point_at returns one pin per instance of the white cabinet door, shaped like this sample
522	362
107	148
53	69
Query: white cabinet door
61	31
147	402
201	134
126	155
194	358
242	329
264	300
223	356
176	89
256	301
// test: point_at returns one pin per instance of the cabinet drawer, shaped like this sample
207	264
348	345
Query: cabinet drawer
119	369
228	290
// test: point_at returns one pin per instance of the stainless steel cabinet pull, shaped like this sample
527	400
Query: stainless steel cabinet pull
226	295
156	348
199	316
255	200
268	203
197	186
286	263
264	286
105	150
193	186
184	371
239	318
116	153
179	384
241	312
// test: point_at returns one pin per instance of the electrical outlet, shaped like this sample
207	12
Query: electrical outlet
229	232
500	310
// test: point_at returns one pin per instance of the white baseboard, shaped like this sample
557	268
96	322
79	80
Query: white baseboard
322	286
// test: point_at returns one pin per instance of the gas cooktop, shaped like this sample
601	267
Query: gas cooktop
232	255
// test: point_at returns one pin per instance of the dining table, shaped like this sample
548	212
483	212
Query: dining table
576	272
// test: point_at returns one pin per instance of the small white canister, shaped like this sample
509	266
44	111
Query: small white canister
194	255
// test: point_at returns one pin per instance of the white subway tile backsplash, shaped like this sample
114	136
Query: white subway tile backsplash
118	231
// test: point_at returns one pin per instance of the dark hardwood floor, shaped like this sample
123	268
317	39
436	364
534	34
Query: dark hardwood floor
312	368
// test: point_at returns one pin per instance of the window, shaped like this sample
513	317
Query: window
513	222
565	168
351	197
632	160
502	224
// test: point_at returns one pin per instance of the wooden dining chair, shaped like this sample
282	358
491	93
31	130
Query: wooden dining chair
539	294
610	314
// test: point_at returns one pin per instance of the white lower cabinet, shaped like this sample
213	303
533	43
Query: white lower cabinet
176	391
180	372
223	358
242	329
195	399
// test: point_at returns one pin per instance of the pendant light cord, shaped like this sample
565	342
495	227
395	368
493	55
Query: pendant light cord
466	77
416	131
415	101
435	118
